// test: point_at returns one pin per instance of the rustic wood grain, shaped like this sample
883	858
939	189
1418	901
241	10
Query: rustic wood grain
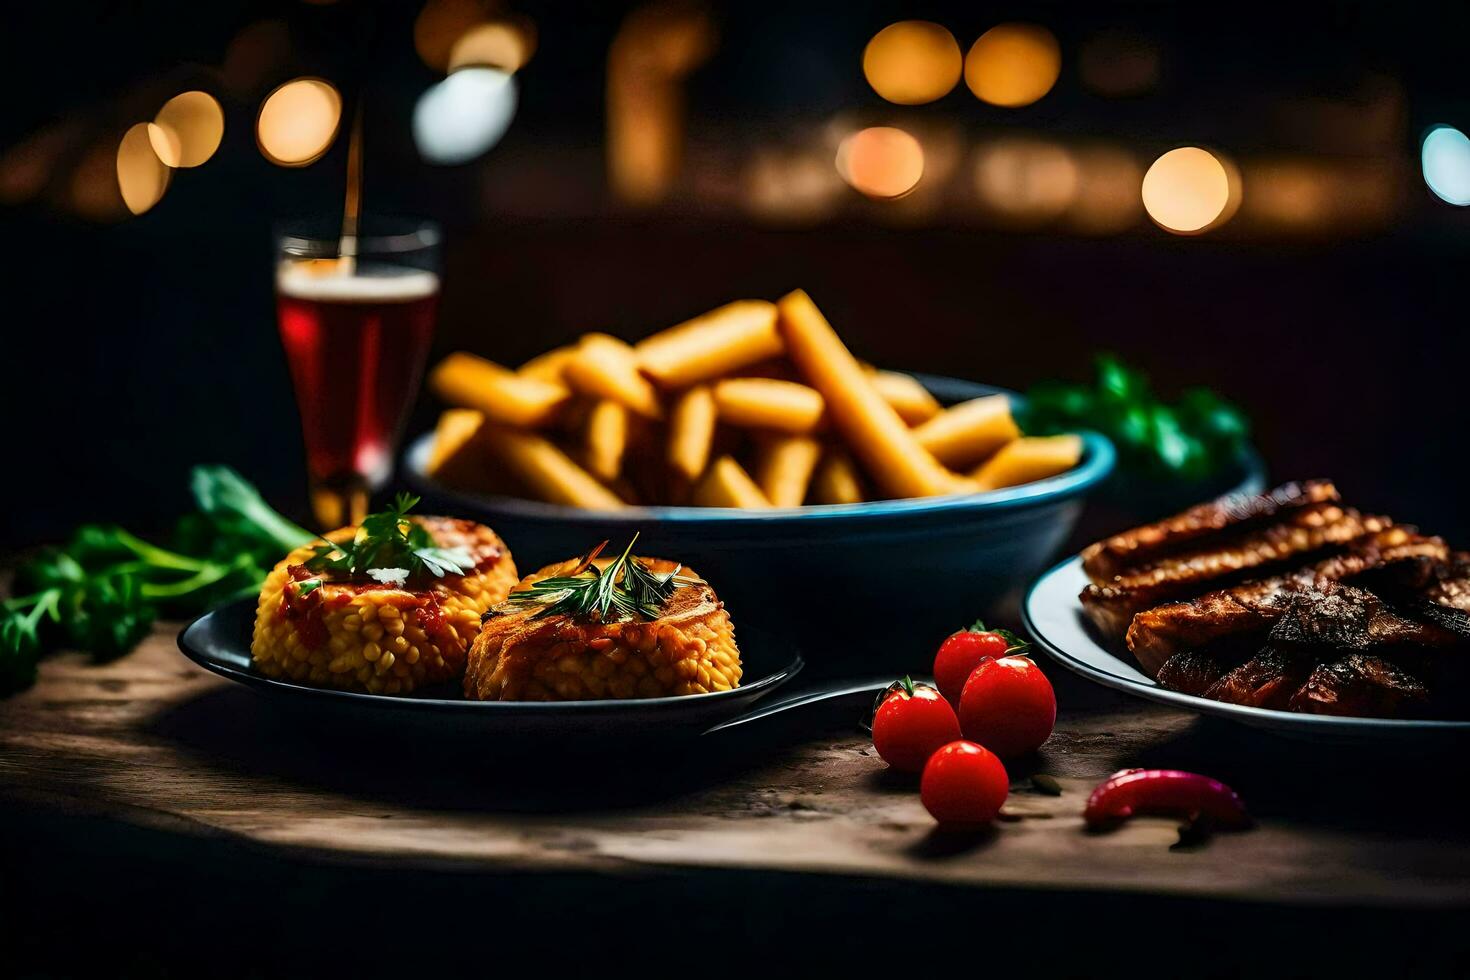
152	740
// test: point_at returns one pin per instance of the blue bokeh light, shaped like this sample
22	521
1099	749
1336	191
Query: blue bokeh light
1446	159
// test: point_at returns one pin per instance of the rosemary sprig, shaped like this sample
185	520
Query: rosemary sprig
390	544
625	589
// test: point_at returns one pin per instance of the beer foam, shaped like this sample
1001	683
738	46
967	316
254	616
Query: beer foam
372	285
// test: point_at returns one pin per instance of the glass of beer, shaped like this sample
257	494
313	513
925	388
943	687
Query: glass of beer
356	314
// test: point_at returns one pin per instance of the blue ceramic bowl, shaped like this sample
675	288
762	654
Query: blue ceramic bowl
874	583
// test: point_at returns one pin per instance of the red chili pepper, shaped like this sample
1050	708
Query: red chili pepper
1167	792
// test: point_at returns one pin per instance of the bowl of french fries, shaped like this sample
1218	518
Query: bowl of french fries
751	441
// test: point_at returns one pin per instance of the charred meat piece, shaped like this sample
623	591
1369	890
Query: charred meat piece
1341	617
1434	592
1112	607
1360	685
1267	680
1109	559
1157	634
1451	587
1192	671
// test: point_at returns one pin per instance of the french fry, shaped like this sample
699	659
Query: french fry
691	432
964	434
467	381
547	471
453	433
605	439
460	458
871	427
605	367
836	480
726	484
1029	459
765	403
784	468
909	399
713	344
548	366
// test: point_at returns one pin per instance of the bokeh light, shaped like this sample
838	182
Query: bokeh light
1013	65
506	45
188	129
881	161
1187	190
913	62
1445	157
141	176
1024	179
298	122
790	185
463	116
1107	200
442	23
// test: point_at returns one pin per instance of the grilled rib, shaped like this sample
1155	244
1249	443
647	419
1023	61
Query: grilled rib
1267	680
1158	634
1191	671
1330	615
1112	607
1360	685
1110	558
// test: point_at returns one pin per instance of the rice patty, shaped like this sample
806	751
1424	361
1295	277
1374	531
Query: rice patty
362	636
689	649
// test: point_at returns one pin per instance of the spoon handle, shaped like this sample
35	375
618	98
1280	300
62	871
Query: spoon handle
858	693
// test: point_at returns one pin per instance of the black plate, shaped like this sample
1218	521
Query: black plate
220	642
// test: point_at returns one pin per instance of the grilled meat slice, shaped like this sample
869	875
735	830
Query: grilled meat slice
1157	634
1341	617
1112	607
1360	685
1267	680
1436	592
1451	587
1110	558
1192	671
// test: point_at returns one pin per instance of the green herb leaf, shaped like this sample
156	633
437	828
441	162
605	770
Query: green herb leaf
1190	440
389	538
625	589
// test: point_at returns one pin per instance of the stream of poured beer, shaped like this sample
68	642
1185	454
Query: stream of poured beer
352	206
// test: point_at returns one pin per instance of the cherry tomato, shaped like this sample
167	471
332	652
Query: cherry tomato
1008	706
964	785
912	721
962	652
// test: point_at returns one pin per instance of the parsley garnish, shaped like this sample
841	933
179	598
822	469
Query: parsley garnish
388	539
102	590
626	588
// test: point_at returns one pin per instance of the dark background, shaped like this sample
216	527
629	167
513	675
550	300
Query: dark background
141	346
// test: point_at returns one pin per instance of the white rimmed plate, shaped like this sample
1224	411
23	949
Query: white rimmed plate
1054	617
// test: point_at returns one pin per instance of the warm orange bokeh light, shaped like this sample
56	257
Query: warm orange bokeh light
881	161
298	122
141	176
1026	179
913	62
1013	64
499	44
440	24
1187	190
187	130
1107	191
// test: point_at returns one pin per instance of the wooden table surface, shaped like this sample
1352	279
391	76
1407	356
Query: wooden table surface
151	740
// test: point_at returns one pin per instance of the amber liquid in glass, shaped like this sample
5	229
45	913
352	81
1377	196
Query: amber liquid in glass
356	345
